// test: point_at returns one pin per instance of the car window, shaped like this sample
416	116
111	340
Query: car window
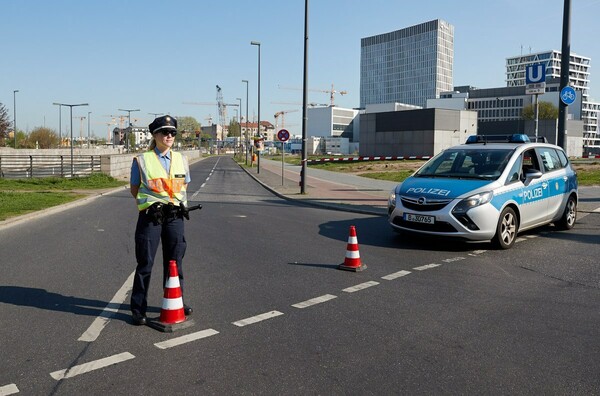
530	161
550	159
563	158
515	172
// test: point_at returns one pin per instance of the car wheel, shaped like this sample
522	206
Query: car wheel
567	221
506	230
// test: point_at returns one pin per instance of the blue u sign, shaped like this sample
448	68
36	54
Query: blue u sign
535	73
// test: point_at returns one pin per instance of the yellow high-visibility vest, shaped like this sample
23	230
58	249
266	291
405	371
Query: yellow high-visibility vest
158	186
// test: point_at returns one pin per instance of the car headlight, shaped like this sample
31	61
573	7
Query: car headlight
392	199
472	202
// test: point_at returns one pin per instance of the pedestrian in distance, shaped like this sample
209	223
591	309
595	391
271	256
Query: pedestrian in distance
158	182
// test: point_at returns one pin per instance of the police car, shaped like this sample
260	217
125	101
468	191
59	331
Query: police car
488	189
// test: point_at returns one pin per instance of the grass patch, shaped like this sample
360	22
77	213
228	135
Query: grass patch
20	203
22	196
588	177
395	176
92	182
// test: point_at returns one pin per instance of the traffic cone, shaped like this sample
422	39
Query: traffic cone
172	316
352	260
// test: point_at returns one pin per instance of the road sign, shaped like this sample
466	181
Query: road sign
283	135
535	79
568	95
535	73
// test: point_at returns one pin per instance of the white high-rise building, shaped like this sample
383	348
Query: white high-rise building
407	66
579	79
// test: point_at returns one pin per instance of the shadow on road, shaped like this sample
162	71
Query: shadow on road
43	299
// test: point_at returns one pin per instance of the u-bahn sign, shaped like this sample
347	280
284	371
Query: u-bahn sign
535	79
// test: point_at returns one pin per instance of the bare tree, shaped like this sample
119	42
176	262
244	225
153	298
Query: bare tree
4	123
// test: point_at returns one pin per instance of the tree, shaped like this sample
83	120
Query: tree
234	129
4	123
43	138
547	111
188	125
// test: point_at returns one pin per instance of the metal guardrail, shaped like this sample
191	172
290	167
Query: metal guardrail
26	166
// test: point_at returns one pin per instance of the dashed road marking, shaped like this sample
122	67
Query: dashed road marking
453	259
9	389
360	286
92	333
395	275
314	301
91	366
257	318
186	338
426	267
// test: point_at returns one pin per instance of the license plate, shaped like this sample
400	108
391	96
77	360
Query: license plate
415	218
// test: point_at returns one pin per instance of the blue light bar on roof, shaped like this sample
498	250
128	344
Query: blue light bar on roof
514	138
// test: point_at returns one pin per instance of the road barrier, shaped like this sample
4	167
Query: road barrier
27	166
366	158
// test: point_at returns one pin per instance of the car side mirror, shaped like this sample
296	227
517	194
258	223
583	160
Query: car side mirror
531	174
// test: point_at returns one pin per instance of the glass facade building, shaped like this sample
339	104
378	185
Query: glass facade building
408	66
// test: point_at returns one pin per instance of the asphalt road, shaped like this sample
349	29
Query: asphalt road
274	315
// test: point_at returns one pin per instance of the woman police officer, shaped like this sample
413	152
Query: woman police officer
158	181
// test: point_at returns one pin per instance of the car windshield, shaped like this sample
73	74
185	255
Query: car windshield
467	163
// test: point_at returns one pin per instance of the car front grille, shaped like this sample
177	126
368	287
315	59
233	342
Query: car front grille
426	206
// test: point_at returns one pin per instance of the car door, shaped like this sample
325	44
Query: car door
556	176
534	206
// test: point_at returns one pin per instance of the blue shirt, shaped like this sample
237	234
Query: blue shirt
165	161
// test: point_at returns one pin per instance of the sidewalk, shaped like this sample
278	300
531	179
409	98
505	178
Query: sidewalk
324	188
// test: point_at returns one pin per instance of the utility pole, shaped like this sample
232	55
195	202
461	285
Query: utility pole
565	56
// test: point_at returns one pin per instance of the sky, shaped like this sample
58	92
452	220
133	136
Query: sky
160	56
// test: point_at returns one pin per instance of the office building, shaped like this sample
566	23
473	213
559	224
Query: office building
579	79
407	66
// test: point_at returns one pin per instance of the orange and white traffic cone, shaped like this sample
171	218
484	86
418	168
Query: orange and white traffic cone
172	316
352	260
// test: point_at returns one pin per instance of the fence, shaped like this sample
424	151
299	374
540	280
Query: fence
25	166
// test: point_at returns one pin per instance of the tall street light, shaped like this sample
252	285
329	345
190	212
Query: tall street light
71	143
246	131
240	118
258	125
129	120
59	123
89	112
15	115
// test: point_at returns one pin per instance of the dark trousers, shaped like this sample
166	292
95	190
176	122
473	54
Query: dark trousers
147	238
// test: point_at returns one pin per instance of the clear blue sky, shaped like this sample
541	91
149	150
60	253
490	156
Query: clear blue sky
154	55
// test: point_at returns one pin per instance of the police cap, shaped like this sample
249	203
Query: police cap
164	122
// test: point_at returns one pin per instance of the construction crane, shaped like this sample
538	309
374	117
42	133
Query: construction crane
331	92
282	114
312	104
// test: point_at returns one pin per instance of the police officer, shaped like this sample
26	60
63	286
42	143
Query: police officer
158	181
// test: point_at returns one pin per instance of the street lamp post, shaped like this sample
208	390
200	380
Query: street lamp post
71	143
59	123
89	141
129	121
240	119
258	125
246	131
15	115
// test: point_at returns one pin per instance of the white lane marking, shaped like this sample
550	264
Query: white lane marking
92	333
477	252
597	210
257	318
395	275
314	301
360	286
520	239
9	389
207	179
91	366
426	267
186	338
531	236
453	259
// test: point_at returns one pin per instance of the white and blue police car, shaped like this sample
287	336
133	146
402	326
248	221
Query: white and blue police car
488	189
